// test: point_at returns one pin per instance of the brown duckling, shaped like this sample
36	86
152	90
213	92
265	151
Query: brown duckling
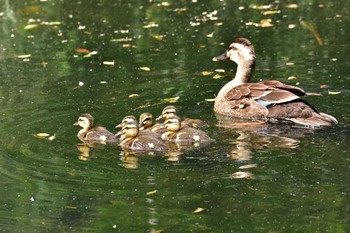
171	110
183	134
268	100
146	123
90	134
126	120
135	140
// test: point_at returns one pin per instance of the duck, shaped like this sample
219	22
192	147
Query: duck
126	120
146	123
132	138
268	100
177	133
171	110
90	134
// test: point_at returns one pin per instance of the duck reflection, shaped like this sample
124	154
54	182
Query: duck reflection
258	135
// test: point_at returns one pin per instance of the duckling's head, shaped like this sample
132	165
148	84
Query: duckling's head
85	121
126	120
241	51
173	124
146	120
129	131
167	112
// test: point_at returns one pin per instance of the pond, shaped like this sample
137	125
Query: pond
60	59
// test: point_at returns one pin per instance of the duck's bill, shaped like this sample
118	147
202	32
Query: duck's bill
222	57
76	123
159	118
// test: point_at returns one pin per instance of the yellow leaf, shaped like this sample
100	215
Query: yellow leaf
24	56
151	192
206	73
31	26
292	77
172	100
334	92
291	6
264	23
217	76
42	135
158	37
108	63
270	12
198	210
210	100
53	137
134	95
144	68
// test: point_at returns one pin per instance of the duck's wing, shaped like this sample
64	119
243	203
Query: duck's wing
277	84
261	92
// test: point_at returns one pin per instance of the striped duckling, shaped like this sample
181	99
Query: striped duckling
92	135
146	123
183	134
133	139
171	110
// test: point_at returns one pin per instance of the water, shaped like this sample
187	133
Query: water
292	180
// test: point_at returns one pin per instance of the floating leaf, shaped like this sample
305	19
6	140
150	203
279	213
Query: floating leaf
248	166
270	12
206	73
241	175
53	137
121	40
31	26
23	56
81	83
144	68
291	6
291	26
172	100
290	63
198	210
264	23
292	77
158	37
134	95
151	192
42	135
324	86
81	50
210	35
334	92
108	63
220	70
313	30
210	100
217	76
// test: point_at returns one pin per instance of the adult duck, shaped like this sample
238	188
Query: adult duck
268	100
92	135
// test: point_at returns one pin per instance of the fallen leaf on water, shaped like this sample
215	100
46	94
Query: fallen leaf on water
42	135
260	7
241	175
270	12
23	56
158	37
292	77
206	73
144	68
210	35
31	26
264	23
108	63
81	83
334	92
172	100
198	210
134	95
248	166
210	100
82	50
151	192
121	40
291	6
217	76
53	137
71	207
324	86
291	26
220	70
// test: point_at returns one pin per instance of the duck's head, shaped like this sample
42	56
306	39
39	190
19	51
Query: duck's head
146	120
129	131
241	51
85	121
172	124
126	120
167	112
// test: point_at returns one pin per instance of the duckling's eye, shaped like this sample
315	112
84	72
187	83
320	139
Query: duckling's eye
232	48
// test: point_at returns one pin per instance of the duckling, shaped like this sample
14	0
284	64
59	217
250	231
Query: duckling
183	134
171	110
90	134
126	119
269	100
135	140
146	123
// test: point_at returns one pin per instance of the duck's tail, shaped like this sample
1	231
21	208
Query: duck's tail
316	120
